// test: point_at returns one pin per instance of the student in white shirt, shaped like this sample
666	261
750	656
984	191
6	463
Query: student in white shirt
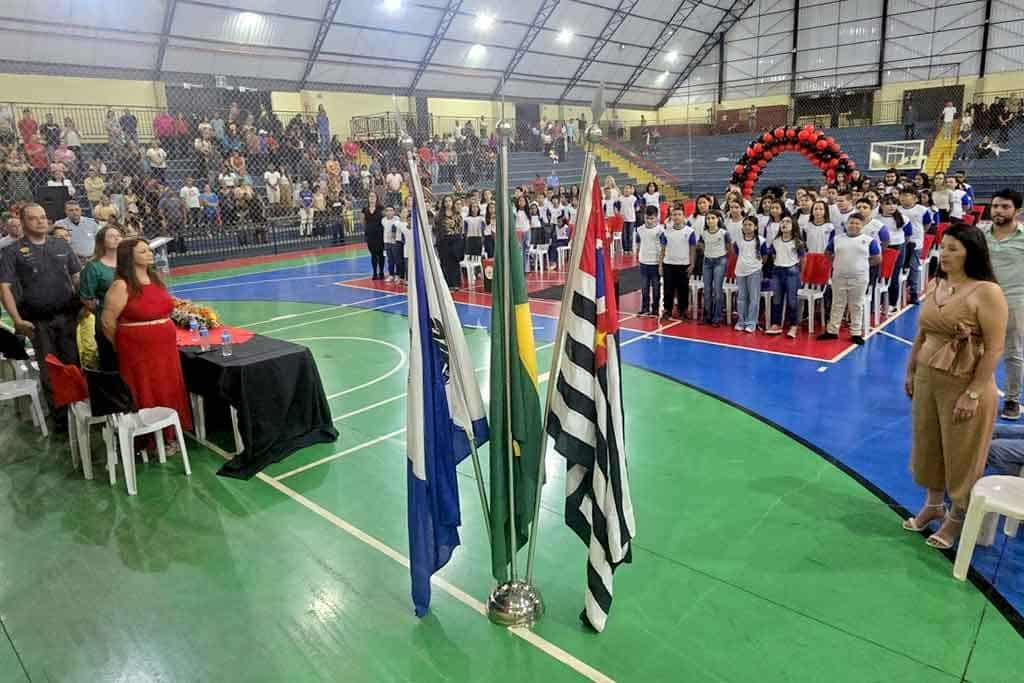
701	207
404	250
956	199
392	242
490	227
189	194
652	197
948	114
627	207
734	220
900	231
770	226
609	205
787	251
920	219
803	211
650	255
876	229
680	244
841	210
818	229
751	252
715	244
523	229
853	254
272	180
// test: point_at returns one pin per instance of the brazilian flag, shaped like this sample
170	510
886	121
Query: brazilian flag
519	405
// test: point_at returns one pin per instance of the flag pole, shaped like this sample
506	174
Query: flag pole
513	602
593	135
407	144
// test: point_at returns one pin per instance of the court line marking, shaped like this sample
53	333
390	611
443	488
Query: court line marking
290	316
398	366
877	330
339	454
898	338
186	289
341	257
342	315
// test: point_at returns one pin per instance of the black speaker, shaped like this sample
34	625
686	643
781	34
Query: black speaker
52	200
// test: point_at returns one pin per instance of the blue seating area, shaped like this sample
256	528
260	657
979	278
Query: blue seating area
704	163
991	174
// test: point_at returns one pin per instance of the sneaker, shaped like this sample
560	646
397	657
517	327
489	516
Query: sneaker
827	336
774	329
739	327
792	332
1011	410
750	329
716	324
857	339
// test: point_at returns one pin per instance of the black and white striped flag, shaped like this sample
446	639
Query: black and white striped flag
586	420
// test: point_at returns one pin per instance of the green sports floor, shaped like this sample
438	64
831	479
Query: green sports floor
756	560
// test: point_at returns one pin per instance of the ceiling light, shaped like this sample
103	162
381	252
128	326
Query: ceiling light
476	53
672	56
564	36
662	77
484	22
392	5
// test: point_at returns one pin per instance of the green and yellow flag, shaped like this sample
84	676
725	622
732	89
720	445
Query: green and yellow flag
515	400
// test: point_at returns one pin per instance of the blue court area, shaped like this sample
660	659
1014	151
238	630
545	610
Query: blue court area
851	410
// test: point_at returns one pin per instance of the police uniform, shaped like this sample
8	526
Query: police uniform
42	276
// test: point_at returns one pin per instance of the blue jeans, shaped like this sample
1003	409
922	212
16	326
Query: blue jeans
524	241
627	236
1006	454
785	285
714	296
553	249
749	296
394	252
652	286
913	264
894	286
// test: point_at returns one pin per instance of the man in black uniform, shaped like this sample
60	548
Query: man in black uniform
44	272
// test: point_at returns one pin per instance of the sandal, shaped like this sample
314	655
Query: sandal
940	543
910	524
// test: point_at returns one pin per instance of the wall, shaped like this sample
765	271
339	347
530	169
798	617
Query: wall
72	90
342	106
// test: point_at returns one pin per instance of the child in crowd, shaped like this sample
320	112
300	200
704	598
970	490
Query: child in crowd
473	222
306	210
957	199
899	231
404	244
853	253
697	221
872	226
680	244
920	220
392	245
751	252
715	244
787	251
803	212
210	203
609	204
652	197
776	214
490	226
841	210
818	229
627	207
649	234
734	219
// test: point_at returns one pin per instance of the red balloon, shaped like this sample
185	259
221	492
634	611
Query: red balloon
844	156
739	168
768	156
802	136
821	145
780	132
809	128
791	133
834	147
758	148
767	138
750	152
830	139
833	163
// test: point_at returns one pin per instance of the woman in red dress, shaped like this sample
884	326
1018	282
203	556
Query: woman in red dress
136	318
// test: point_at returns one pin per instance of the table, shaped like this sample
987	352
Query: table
276	396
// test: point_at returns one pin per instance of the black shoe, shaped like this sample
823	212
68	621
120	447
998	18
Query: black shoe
858	340
1011	410
827	336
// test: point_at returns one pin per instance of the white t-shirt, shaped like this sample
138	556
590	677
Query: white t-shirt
157	157
897	237
838	217
627	207
272	178
734	228
770	230
948	113
406	232
474	226
918	216
344	177
677	245
696	222
650	243
190	196
522	220
391	230
749	255
851	254
785	252
653	199
716	244
956	204
875	228
609	206
816	237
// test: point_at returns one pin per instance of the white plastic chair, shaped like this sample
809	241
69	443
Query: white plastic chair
696	287
996	495
146	421
80	422
15	389
563	256
473	259
766	307
811	294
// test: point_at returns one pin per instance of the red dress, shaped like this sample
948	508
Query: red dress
147	355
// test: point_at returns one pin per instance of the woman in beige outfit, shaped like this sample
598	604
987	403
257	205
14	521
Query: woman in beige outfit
951	379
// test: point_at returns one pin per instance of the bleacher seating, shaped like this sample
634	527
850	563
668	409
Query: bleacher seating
991	174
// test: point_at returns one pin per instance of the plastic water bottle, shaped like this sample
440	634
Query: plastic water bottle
161	262
204	337
193	330
225	344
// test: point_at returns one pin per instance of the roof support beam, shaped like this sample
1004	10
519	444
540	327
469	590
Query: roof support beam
619	15
678	18
165	32
330	10
540	18
796	42
984	38
732	15
450	12
884	37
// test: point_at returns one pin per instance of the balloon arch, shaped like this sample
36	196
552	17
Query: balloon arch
820	149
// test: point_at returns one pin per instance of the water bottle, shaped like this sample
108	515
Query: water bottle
225	344
160	261
193	330
204	338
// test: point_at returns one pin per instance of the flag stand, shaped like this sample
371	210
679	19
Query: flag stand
513	602
407	145
593	136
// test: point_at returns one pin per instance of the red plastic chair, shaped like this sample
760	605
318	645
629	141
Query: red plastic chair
940	230
663	212
814	276
689	206
889	268
969	218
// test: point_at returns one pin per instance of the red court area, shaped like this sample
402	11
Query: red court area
804	346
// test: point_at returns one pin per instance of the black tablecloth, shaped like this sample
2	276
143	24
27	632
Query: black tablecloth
275	387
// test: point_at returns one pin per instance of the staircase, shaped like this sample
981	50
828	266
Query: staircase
625	162
942	151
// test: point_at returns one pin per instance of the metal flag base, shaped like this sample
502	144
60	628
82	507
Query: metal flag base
515	603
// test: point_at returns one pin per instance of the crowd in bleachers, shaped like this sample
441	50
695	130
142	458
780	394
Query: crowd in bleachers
986	131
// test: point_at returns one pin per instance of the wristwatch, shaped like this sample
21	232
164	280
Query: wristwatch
973	395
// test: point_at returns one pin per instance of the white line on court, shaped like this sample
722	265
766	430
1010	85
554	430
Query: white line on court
188	289
393	347
369	407
290	316
343	315
339	454
898	338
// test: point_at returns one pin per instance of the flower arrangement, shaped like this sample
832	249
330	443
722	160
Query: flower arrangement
185	310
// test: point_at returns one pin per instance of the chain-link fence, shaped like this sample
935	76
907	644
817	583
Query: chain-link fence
223	174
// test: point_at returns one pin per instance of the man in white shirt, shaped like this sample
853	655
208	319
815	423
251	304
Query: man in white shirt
58	180
157	158
393	182
272	179
12	232
627	207
920	218
189	194
81	228
948	114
